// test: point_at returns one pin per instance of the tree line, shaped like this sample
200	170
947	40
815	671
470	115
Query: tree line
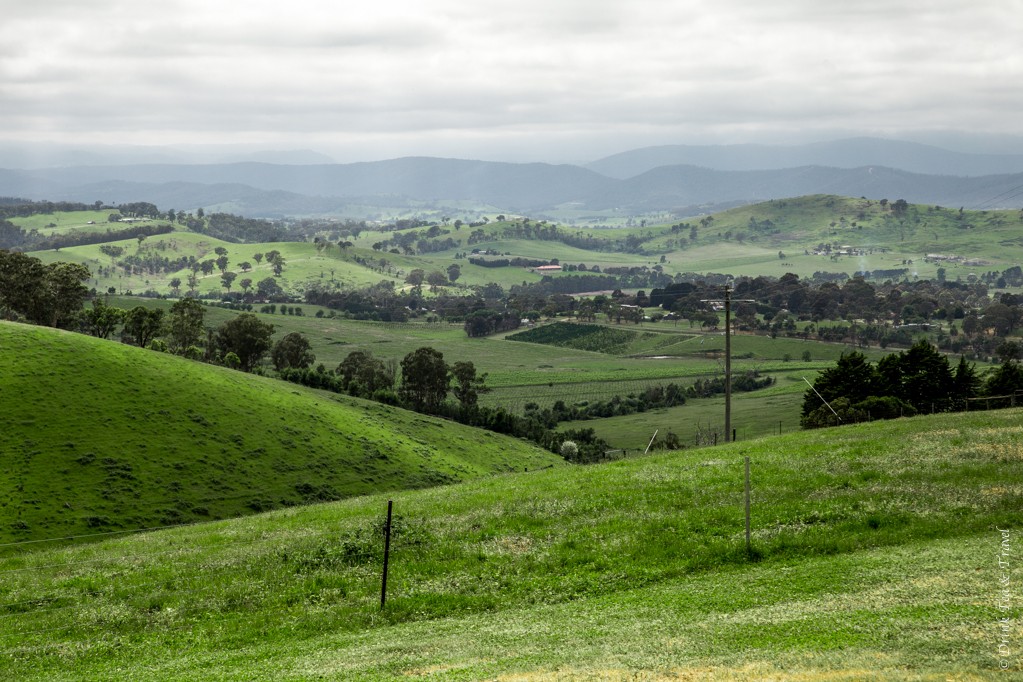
919	380
426	381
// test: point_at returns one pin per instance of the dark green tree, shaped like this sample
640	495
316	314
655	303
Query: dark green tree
468	385
227	279
269	288
853	378
424	380
416	277
1004	383
21	284
50	295
246	336
276	261
436	279
966	384
927	380
142	325
64	293
363	375
293	350
101	319
185	328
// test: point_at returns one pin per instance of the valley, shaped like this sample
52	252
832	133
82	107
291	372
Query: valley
128	467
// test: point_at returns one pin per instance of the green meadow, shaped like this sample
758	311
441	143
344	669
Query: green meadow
100	436
67	221
874	555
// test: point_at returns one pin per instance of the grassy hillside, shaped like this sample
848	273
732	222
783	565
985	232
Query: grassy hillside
305	264
98	436
747	240
874	556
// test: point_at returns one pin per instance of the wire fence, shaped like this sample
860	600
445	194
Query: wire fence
83	589
108	588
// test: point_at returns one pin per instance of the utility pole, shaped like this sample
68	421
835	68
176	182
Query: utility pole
728	356
728	363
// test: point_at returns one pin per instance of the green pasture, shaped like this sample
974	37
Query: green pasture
69	221
100	436
802	223
756	414
305	265
874	555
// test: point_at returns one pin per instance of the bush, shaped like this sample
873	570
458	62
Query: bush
885	407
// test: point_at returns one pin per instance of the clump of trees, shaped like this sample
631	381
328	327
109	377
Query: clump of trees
246	337
427	381
919	380
46	294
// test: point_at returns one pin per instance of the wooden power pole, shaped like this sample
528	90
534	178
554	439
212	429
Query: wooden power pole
727	300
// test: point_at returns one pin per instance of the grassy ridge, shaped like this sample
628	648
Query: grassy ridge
100	436
305	264
875	544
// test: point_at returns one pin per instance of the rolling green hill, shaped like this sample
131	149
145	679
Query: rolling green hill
769	238
99	436
874	556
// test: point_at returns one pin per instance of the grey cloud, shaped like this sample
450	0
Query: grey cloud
441	69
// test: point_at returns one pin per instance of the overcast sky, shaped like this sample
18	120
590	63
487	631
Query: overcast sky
547	80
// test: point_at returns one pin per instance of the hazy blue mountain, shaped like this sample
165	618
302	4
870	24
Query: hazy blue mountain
262	189
850	153
506	185
670	187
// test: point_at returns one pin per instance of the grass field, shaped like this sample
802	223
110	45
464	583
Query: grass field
304	264
754	415
100	436
874	556
64	222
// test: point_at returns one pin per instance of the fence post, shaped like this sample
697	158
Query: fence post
387	555
749	547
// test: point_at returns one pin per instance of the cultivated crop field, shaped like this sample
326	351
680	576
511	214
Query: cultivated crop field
874	554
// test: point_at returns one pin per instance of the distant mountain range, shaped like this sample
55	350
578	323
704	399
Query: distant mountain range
861	152
684	179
